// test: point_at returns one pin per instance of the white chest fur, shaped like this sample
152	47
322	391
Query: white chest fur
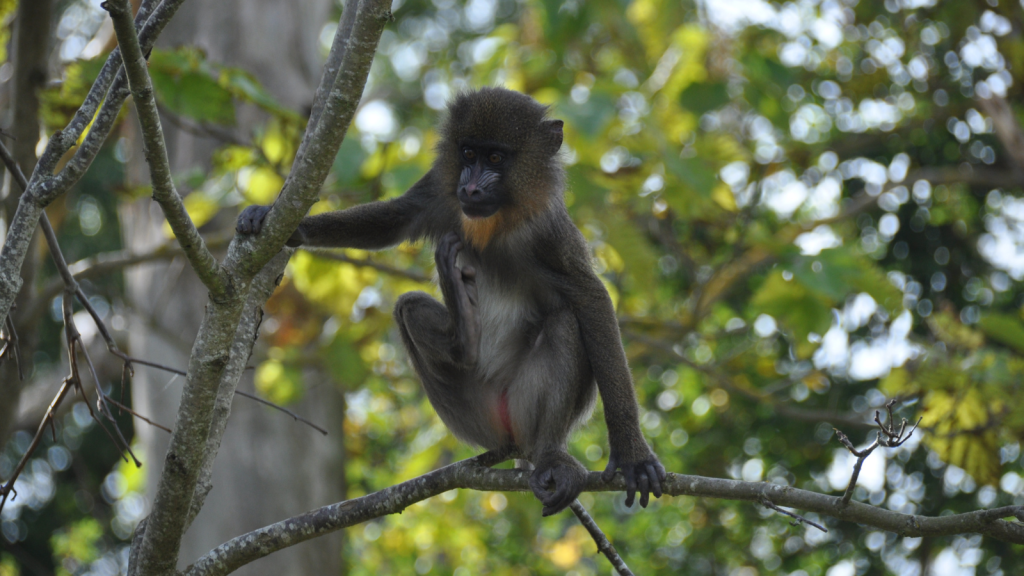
505	313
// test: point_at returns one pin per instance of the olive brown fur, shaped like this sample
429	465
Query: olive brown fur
526	336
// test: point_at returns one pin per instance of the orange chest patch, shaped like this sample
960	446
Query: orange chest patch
480	231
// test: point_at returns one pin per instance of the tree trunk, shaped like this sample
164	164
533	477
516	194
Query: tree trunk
269	467
32	41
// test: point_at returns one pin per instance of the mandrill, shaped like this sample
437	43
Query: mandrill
526	335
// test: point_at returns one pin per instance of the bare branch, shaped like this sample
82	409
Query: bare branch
107	262
474	474
604	545
280	408
241	348
8	488
137	415
110	90
893	438
217	341
155	149
797	519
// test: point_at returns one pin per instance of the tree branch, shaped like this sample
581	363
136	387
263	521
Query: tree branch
44	186
248	329
474	474
604	545
155	150
210	361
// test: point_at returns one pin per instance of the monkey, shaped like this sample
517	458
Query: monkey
527	334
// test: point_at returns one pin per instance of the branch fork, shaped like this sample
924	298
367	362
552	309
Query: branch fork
888	436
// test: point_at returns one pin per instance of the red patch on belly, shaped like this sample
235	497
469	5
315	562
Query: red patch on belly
504	416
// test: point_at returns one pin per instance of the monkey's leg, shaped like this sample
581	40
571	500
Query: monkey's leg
552	394
468	409
458	285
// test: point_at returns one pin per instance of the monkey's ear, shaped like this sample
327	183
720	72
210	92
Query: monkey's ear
554	132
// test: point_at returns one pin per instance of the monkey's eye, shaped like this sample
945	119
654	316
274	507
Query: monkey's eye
494	158
468	154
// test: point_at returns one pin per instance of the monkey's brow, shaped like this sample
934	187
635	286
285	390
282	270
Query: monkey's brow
485	144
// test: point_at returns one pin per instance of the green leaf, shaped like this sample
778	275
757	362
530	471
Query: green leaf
1004	329
694	172
348	161
244	86
796	307
640	260
704	97
185	89
839	272
591	117
344	362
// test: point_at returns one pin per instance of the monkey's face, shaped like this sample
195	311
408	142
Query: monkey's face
480	190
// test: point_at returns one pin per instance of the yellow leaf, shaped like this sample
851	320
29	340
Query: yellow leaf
261	184
274	146
235	157
958	431
895	383
565	554
277	383
200	207
722	196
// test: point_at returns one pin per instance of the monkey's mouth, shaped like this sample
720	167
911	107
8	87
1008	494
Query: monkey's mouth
482	210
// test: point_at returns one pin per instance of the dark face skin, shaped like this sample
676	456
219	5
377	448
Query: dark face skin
479	190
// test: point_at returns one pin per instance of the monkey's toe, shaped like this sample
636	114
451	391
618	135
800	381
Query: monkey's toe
557	486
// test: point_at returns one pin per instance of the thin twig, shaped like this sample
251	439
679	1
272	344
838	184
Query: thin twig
604	545
797	519
282	409
129	359
893	438
13	346
8	487
137	415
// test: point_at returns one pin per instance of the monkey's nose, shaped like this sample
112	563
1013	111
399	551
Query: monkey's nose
471	190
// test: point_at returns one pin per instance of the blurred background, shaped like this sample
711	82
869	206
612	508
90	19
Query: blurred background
802	210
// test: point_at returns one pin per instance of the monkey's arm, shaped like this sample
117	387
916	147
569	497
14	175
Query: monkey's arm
369	226
567	260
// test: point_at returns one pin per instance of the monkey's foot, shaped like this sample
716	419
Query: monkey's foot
557	481
250	221
459	287
644	476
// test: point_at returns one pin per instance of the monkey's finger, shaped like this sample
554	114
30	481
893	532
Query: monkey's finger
653	476
645	490
630	484
453	251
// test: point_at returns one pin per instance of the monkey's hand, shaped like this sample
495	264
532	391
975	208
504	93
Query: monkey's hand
557	480
250	221
643	471
459	288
